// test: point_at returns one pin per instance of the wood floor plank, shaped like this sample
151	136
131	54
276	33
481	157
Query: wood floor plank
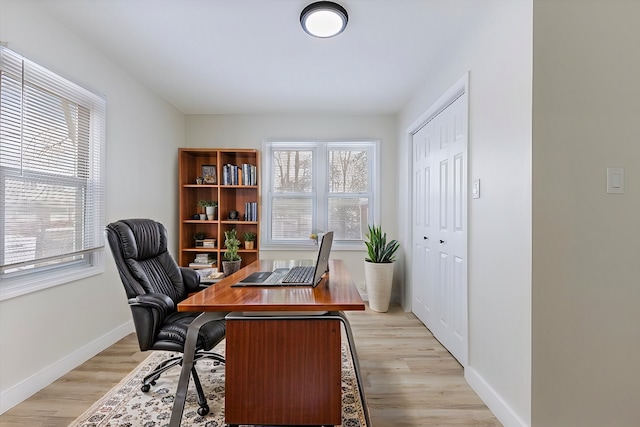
410	379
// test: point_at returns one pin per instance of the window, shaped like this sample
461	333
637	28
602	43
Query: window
319	186
52	136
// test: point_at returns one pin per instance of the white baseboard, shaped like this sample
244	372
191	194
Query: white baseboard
493	400
36	382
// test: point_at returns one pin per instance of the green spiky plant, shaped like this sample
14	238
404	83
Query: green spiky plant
250	236
378	249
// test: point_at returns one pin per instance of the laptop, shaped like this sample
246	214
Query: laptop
309	275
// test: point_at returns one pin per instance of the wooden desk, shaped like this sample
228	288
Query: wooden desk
284	367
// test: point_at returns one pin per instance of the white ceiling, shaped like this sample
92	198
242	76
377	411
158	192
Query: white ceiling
252	56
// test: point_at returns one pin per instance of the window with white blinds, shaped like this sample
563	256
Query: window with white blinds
318	186
52	135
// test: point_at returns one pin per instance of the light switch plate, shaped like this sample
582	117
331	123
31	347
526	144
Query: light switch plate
615	180
475	190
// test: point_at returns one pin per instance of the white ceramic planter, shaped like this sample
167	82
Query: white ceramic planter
379	280
211	212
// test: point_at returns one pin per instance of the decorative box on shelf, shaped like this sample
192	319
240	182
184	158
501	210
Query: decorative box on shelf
206	243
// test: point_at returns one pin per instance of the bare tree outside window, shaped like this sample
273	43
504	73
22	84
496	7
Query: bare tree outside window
348	176
293	171
348	171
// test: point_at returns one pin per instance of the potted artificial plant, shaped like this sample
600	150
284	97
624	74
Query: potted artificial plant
232	259
209	208
378	268
249	239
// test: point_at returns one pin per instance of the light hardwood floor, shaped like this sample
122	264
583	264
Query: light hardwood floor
410	379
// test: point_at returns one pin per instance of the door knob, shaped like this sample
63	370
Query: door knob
441	241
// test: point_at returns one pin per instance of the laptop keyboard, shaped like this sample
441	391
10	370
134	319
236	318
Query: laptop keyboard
300	274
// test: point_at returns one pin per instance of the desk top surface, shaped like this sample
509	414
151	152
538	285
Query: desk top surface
336	292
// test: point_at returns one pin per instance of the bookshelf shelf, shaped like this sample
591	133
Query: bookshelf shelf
230	165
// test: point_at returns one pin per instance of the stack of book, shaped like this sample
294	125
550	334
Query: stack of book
203	261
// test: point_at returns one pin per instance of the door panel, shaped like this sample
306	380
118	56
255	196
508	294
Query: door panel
443	195
439	230
422	250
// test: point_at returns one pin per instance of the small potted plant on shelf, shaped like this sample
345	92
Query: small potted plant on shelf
232	261
199	238
249	239
378	268
209	208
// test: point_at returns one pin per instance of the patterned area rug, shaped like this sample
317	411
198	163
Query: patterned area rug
126	405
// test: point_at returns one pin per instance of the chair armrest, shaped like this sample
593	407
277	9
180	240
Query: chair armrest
157	301
149	312
191	279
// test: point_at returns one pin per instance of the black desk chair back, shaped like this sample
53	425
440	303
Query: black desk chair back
154	285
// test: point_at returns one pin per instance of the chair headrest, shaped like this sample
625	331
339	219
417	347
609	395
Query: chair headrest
141	238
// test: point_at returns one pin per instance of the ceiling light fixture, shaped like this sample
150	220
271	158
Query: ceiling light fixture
324	19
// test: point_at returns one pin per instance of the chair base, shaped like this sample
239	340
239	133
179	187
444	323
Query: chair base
169	363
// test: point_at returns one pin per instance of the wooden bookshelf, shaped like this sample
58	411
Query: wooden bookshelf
243	188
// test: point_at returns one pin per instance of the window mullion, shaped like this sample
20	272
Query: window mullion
321	190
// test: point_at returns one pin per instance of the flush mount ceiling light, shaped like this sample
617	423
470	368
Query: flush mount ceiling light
324	19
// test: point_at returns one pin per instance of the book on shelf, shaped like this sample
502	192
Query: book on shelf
251	211
245	174
249	174
199	265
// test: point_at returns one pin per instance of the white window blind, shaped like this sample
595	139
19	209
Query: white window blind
319	186
52	135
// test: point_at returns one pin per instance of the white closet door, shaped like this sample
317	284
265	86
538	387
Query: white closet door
439	276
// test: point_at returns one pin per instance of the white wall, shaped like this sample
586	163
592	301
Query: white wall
248	131
47	333
497	51
586	244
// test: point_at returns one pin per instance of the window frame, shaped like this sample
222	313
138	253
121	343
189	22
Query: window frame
320	188
89	259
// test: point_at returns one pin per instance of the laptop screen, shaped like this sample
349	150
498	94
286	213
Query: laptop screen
322	263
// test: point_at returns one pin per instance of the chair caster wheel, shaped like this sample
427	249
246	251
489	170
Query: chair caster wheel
153	382
145	388
203	410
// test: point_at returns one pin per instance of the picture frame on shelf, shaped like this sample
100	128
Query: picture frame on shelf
209	174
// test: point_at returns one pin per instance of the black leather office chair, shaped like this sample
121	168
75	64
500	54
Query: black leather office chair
154	284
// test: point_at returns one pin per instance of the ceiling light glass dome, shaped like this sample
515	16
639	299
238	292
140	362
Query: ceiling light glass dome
324	19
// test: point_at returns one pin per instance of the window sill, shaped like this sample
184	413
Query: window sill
34	282
336	247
